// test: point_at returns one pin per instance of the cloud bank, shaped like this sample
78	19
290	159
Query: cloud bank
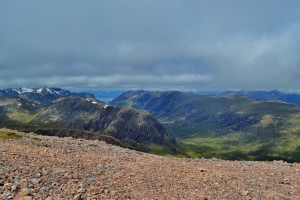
168	44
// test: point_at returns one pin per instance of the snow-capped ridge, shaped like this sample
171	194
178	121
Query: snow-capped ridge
22	90
41	90
42	95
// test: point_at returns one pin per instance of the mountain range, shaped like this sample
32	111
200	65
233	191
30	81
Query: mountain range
293	98
43	95
225	126
53	111
257	125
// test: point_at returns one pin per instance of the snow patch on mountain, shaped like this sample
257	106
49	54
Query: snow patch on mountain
22	90
40	90
43	95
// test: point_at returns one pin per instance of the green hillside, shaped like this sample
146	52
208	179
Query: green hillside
228	127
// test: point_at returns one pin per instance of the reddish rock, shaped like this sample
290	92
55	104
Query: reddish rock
82	169
22	194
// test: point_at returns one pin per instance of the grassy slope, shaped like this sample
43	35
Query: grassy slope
280	144
275	136
9	135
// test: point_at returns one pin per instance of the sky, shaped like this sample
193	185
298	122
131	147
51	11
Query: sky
144	44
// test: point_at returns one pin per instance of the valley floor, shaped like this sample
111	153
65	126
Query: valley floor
40	167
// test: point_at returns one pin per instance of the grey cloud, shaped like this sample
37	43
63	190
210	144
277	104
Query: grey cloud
264	62
146	44
119	81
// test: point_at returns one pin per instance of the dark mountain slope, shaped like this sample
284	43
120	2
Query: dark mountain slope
78	117
122	123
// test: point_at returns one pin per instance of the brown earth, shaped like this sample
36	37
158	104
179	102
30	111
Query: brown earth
41	167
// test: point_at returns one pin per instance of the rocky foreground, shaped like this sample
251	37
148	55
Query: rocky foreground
41	167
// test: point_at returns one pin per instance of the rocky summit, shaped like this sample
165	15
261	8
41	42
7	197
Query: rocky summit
43	167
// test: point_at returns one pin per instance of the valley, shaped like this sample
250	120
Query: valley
171	123
233	127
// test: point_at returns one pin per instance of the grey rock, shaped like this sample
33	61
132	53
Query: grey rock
13	188
35	181
7	185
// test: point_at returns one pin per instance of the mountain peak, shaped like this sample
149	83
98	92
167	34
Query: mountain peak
43	95
43	90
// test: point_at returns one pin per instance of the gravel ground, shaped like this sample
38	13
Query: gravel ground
41	167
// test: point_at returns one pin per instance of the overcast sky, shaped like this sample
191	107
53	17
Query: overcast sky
143	44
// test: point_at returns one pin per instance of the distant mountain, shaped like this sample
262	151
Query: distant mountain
292	98
105	95
157	103
121	123
43	95
230	126
136	129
